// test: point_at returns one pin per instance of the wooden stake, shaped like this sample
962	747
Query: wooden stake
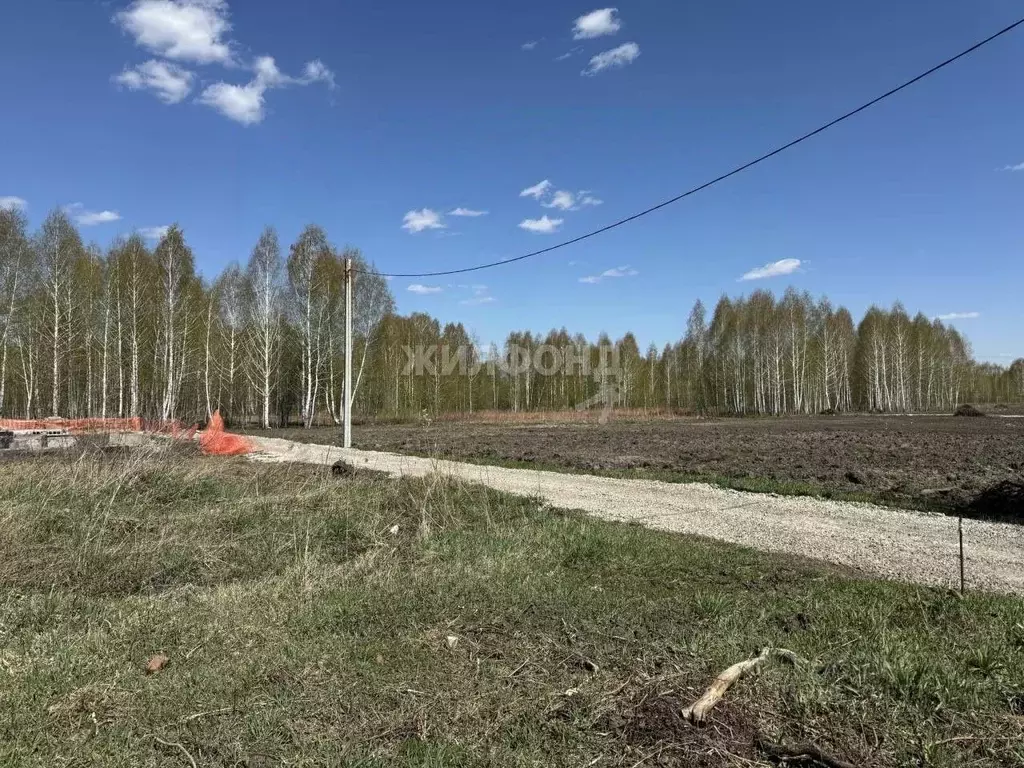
960	531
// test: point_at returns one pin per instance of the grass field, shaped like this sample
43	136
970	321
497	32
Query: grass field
368	622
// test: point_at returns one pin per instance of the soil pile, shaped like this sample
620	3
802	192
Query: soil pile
1003	501
967	410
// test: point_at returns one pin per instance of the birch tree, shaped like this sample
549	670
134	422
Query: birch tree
230	292
14	261
58	246
306	268
263	280
136	297
373	302
176	272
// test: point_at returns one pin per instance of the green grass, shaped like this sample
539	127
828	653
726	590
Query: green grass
304	629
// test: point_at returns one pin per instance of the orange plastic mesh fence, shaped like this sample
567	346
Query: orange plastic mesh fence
215	441
78	426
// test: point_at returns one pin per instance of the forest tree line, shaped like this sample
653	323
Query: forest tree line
135	331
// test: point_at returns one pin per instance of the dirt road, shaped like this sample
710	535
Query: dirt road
918	462
902	545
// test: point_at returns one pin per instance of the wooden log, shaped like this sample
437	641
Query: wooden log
697	712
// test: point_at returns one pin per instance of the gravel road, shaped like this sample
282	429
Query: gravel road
896	544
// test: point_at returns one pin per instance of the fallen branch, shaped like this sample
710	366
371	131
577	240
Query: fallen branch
807	752
198	715
173	744
697	712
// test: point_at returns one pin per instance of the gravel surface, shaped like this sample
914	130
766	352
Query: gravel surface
902	545
909	462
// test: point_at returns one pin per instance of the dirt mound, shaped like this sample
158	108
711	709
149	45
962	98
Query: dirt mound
967	410
653	725
342	468
1002	501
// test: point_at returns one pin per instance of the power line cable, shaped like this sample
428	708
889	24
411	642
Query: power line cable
724	176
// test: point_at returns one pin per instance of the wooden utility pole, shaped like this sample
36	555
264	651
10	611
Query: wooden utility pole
348	353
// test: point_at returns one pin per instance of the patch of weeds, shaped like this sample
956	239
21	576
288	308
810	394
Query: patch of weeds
709	606
985	660
170	488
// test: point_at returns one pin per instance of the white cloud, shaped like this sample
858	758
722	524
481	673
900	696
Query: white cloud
12	203
626	271
196	31
187	30
317	72
563	200
537	191
614	272
417	221
92	218
481	295
529	46
616	57
541	226
245	103
423	290
241	103
960	316
478	300
1018	167
169	82
773	269
154	233
86	218
466	212
596	24
268	74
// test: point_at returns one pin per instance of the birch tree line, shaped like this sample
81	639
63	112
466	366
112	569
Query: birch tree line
753	355
135	331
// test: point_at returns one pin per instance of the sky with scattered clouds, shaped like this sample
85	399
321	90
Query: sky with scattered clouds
440	136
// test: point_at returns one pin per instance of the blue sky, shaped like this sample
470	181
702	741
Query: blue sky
370	118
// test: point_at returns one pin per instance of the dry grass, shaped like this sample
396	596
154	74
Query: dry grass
366	622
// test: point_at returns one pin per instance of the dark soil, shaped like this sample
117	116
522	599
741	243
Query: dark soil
1002	501
932	462
654	726
968	410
